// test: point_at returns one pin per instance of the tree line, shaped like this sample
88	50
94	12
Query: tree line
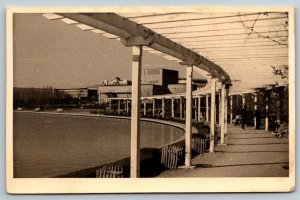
33	97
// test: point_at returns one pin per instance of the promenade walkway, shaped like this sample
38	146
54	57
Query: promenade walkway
248	153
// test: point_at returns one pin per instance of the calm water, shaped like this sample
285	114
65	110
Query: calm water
51	145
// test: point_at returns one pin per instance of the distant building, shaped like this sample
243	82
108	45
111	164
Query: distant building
117	81
159	76
197	82
86	94
124	91
178	88
156	81
182	80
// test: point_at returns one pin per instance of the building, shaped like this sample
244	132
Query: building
159	76
86	94
178	88
124	91
117	81
155	81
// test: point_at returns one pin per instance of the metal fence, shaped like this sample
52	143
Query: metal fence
171	156
110	172
199	145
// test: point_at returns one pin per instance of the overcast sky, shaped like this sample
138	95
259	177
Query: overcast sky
52	53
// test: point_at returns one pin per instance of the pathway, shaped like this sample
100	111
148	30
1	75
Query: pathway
248	153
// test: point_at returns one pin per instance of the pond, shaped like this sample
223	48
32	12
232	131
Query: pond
48	145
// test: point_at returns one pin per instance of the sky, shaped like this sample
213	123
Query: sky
52	53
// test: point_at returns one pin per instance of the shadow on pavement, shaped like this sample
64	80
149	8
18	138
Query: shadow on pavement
259	143
237	165
252	151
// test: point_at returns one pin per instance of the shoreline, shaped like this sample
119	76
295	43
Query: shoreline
161	121
84	114
150	156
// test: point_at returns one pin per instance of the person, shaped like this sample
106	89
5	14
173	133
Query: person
275	127
257	115
244	116
158	113
281	128
237	120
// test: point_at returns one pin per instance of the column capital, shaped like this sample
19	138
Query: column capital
137	41
190	62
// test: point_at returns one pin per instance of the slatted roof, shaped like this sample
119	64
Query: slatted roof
244	45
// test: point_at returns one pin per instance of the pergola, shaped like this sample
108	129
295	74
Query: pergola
235	50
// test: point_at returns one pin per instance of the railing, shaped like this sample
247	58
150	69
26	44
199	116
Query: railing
199	145
171	156
110	172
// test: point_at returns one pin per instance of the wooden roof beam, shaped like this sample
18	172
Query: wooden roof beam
126	29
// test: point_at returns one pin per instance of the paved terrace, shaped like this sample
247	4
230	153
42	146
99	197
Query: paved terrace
176	36
248	153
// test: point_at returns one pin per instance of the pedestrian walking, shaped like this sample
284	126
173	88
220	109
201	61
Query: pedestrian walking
244	116
257	115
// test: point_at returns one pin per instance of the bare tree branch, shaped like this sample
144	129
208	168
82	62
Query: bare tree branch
251	29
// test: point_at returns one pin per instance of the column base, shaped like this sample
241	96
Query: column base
222	144
186	167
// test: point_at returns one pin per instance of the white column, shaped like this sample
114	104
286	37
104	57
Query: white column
195	106
243	100
199	108
135	112
207	108
226	111
267	113
145	107
163	107
278	103
99	96
109	106
222	117
216	108
219	122
127	107
172	108
231	109
212	115
188	116
181	107
119	106
184	108
255	108
153	107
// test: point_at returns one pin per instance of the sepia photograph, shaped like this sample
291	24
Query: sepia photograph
141	99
